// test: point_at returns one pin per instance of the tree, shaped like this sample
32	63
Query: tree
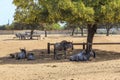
88	12
2	27
108	27
111	14
48	26
106	11
75	26
53	26
81	28
71	26
17	26
72	11
27	12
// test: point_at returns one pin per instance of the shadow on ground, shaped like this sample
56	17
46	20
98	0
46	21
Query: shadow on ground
43	57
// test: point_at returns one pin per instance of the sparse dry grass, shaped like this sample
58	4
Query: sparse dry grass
105	67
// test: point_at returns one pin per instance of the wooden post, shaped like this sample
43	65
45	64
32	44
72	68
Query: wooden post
55	56
83	45
72	46
48	45
54	52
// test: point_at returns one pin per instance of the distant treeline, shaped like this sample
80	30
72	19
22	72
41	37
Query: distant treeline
21	26
3	27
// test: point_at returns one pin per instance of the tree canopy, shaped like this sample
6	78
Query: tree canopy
72	11
89	12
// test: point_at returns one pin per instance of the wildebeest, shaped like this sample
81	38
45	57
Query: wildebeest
12	56
82	56
21	55
22	36
18	35
30	56
62	46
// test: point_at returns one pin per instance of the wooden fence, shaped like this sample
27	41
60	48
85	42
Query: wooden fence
83	44
4	32
68	32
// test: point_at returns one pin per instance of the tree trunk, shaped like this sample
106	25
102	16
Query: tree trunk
31	34
73	30
81	28
108	29
91	31
45	33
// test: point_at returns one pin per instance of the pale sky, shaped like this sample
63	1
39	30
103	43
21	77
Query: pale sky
7	10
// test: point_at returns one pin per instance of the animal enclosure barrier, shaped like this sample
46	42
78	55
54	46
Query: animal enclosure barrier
53	44
83	44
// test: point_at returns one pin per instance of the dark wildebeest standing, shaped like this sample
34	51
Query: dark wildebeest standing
18	35
22	36
62	46
83	56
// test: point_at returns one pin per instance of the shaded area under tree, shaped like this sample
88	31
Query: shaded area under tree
43	57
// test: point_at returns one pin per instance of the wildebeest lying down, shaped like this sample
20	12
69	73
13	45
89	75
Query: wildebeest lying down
23	55
30	56
82	56
62	46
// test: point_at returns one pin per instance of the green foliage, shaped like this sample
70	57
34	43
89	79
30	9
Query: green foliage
72	11
27	12
9	27
53	26
2	27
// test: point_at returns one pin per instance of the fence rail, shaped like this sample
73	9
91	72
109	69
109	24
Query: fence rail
36	31
99	31
84	44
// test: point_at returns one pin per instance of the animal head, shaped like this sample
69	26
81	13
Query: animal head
69	45
92	53
23	50
63	45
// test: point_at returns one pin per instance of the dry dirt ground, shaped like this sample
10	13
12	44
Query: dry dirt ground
106	66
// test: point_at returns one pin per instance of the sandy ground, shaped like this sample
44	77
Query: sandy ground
106	66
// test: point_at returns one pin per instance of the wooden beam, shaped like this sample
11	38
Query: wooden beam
93	43
84	44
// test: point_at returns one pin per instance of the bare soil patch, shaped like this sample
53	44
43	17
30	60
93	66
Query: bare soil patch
106	66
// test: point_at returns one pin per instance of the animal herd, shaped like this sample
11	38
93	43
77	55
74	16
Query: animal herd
61	46
23	55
